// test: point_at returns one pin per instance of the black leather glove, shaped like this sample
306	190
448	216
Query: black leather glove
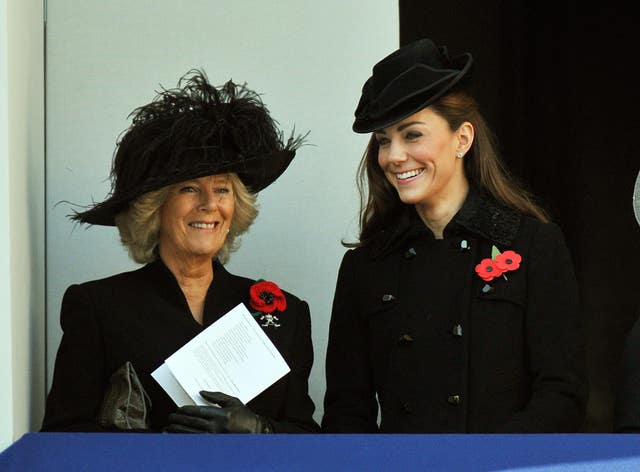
230	416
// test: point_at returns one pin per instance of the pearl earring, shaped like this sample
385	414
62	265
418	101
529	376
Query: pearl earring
459	155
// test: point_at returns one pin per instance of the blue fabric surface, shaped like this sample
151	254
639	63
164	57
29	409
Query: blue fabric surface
160	452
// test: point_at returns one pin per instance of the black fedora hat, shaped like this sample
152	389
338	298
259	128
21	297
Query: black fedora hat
191	131
407	80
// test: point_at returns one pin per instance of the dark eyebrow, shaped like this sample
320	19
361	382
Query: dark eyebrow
401	127
406	125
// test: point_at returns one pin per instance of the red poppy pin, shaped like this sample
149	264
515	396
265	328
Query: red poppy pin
500	262
266	298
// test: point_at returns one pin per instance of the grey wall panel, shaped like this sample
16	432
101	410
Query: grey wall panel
308	59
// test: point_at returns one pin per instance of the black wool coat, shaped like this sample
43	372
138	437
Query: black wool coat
415	331
142	316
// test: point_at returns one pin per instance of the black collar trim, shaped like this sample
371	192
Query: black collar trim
485	217
480	214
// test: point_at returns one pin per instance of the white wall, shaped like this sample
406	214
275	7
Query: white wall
22	182
309	59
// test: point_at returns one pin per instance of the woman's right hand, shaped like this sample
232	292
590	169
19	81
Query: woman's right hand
230	416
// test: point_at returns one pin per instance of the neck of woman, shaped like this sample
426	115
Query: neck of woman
194	276
437	213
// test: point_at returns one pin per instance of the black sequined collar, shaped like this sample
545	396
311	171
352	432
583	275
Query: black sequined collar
485	217
480	214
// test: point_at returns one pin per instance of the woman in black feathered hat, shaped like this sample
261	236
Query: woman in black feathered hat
184	180
457	310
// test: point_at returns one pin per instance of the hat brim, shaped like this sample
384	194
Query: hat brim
418	93
256	173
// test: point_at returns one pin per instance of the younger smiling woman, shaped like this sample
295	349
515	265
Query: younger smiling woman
457	309
185	177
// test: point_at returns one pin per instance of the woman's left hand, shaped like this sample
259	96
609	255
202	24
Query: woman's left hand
230	416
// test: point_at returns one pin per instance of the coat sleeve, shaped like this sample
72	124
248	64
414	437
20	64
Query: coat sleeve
297	415
350	404
78	383
627	417
555	339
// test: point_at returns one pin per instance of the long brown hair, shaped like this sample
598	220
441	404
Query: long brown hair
379	201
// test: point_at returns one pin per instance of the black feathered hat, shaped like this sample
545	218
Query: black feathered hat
192	131
406	81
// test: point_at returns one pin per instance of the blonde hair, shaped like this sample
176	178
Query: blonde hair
139	224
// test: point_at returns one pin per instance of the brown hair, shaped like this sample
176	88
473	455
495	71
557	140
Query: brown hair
139	225
379	201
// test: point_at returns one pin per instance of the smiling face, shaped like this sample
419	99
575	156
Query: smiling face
195	218
418	158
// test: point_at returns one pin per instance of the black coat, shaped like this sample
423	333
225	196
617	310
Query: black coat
143	317
627	417
414	327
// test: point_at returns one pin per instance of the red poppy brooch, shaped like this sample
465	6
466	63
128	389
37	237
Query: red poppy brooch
267	299
500	262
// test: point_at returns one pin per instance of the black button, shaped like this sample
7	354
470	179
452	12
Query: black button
407	408
457	331
411	252
387	297
405	339
453	399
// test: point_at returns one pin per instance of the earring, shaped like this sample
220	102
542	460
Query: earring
459	155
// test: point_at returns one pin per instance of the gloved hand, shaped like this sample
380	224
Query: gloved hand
230	416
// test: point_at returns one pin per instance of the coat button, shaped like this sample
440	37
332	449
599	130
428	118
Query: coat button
387	297
411	252
464	245
487	289
407	408
453	399
405	339
457	331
